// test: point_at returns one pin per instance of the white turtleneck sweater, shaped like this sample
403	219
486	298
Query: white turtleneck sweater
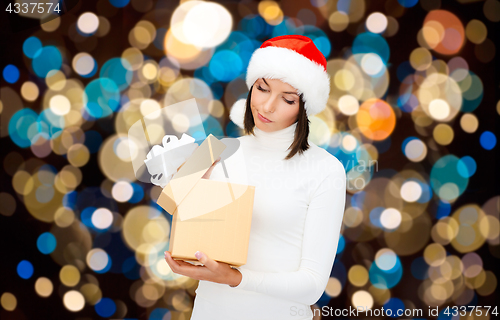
297	217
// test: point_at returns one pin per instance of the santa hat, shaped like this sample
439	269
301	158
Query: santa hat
293	59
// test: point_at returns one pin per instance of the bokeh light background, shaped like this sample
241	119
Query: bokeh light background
411	115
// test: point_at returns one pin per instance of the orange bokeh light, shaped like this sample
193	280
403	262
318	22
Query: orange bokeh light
376	119
448	28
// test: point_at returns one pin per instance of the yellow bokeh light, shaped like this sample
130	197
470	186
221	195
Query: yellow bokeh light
73	301
44	287
97	259
91	293
69	275
149	106
122	191
137	219
64	217
333	287
55	80
338	21
8	301
420	59
358	275
60	105
362	299
29	91
390	218
353	217
344	80
22	182
376	22
134	57
83	63
443	134
78	155
271	12
88	22
102	218
476	31
469	122
439	109
150	71
434	254
411	191
348	105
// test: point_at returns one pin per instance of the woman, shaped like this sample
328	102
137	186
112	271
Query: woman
299	195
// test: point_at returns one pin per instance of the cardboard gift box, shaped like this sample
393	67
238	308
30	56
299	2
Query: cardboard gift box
210	216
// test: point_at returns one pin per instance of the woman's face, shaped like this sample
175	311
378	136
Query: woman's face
276	101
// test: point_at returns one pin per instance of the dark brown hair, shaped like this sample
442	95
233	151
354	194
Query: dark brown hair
299	143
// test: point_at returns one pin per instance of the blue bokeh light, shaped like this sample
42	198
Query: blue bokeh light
47	58
46	243
341	244
488	140
368	42
394	304
119	70
408	3
138	194
23	127
131	269
31	47
50	123
443	209
419	268
11	73
119	3
25	269
225	65
159	314
466	166
254	26
101	97
105	307
386	279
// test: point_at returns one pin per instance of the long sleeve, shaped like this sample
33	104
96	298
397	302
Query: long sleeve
320	240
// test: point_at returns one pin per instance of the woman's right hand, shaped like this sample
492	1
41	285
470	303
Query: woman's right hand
209	171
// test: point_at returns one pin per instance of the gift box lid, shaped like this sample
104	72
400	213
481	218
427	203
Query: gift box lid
189	174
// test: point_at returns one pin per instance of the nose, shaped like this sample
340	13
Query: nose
270	104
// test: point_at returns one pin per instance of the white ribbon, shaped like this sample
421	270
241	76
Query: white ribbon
163	162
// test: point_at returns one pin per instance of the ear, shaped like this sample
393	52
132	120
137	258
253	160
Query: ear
237	114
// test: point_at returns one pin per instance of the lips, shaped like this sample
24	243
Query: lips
264	118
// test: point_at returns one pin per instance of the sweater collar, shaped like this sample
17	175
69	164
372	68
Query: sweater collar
278	140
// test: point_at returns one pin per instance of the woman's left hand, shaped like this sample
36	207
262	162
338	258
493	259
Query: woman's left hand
211	270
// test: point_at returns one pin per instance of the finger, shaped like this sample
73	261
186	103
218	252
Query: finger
209	263
209	171
174	265
184	268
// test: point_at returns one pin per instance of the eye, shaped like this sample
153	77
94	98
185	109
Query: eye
289	102
260	88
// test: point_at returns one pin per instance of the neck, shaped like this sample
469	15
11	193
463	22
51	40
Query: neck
277	140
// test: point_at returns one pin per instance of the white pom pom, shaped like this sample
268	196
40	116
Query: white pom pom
237	114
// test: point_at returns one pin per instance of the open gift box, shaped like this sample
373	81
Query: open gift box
210	216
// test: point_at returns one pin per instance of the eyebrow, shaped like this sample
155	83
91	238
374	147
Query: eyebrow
295	93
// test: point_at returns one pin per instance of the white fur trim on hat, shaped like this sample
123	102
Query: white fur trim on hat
237	113
291	67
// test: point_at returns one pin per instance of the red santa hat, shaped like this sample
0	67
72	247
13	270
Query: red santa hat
293	59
